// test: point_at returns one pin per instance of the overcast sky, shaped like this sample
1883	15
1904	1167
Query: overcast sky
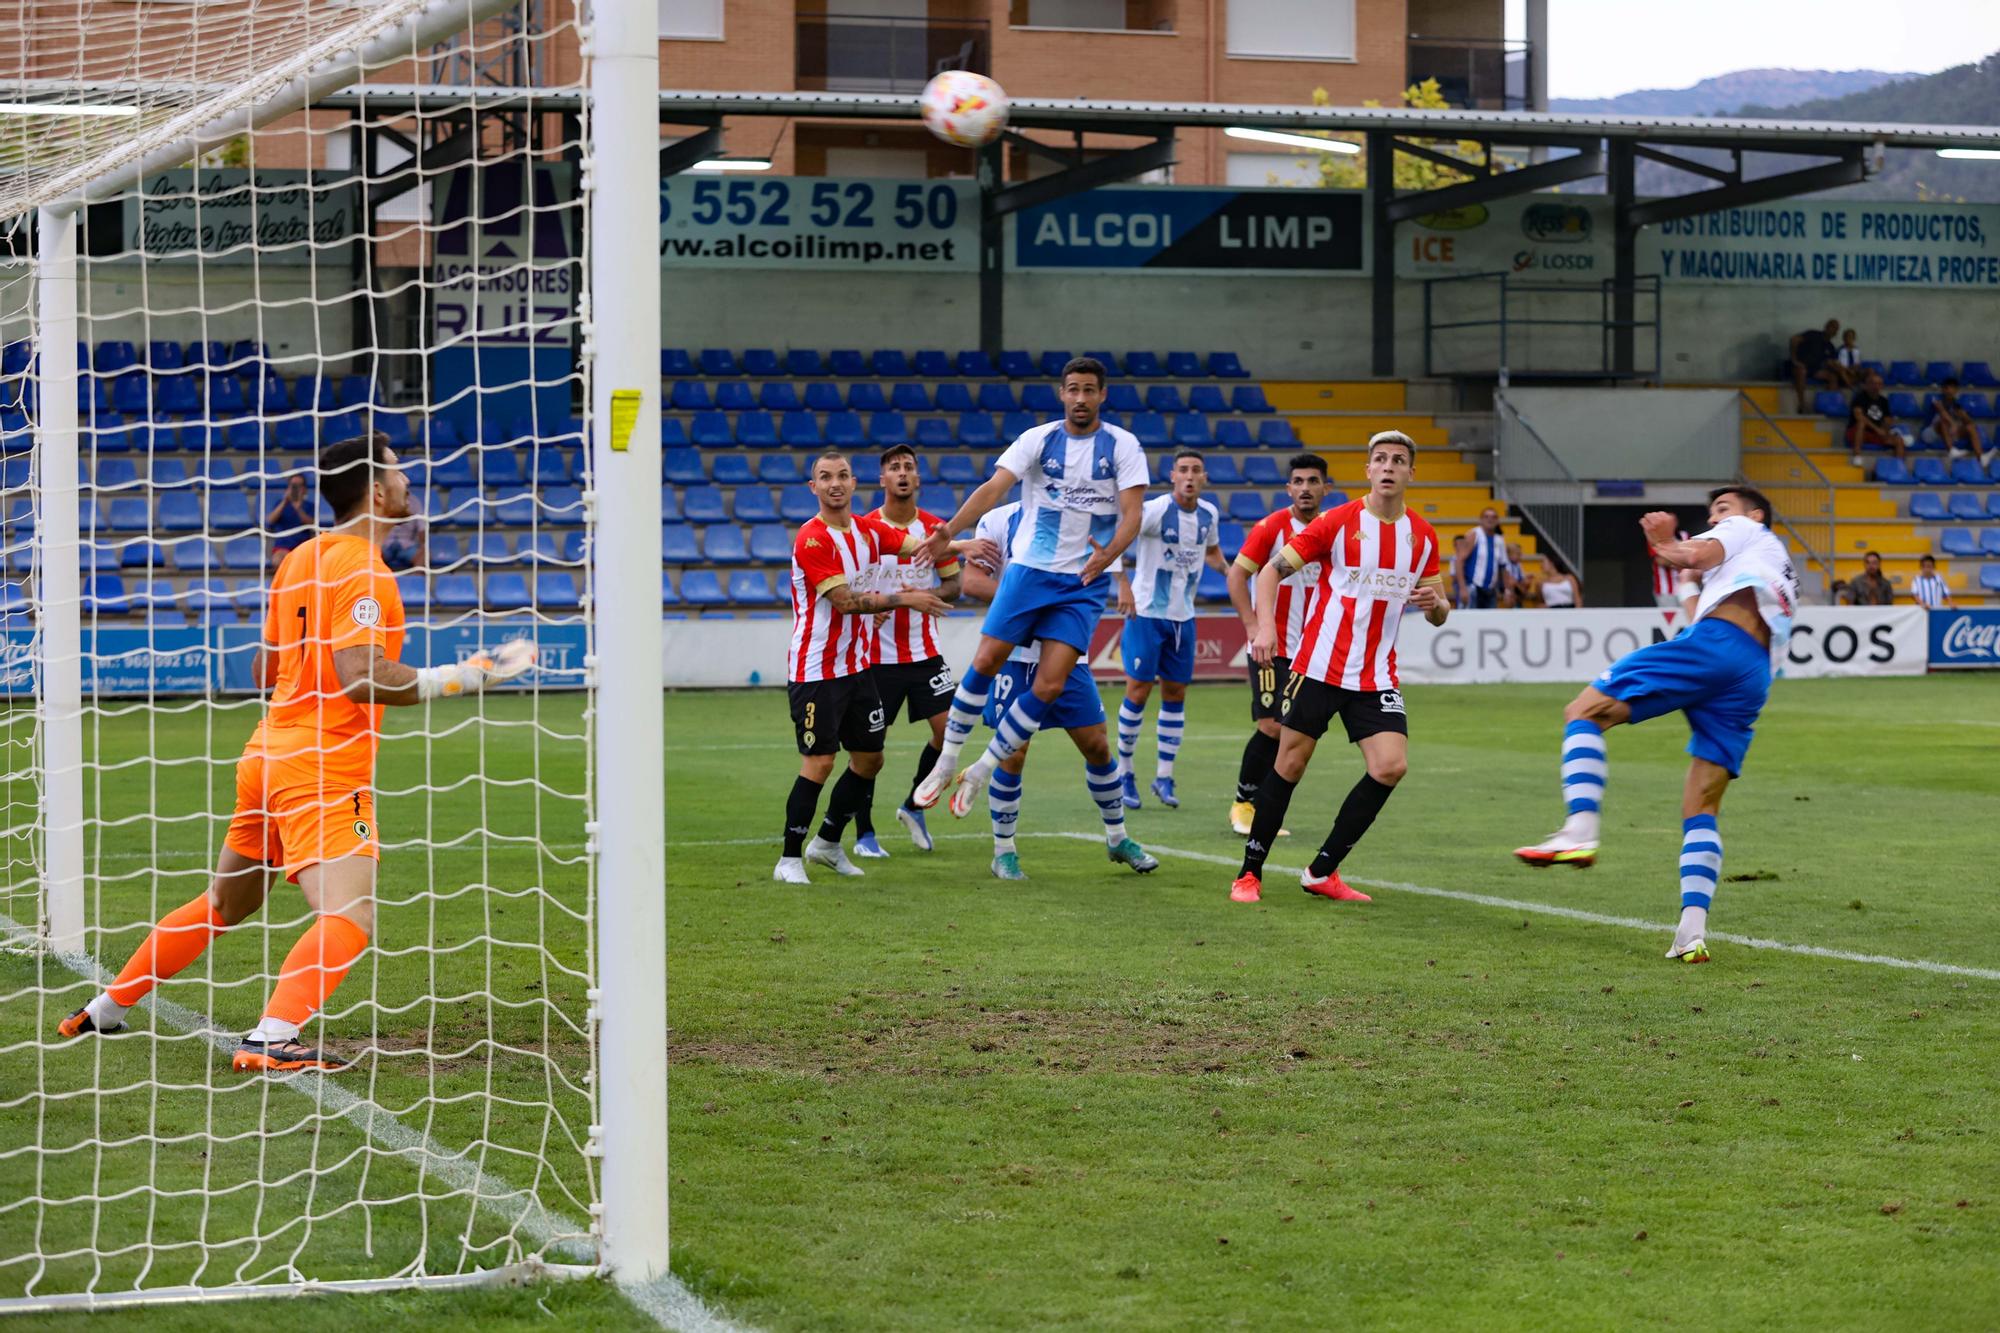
1599	48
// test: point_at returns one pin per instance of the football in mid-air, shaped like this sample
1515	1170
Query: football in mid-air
964	108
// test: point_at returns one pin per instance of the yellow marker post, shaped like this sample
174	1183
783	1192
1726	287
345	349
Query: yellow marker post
624	413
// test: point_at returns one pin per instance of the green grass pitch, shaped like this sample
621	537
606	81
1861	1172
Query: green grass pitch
925	1099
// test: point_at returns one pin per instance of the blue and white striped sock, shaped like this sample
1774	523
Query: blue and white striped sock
1701	867
1003	802
1131	720
1167	730
1107	789
966	707
1583	775
1018	726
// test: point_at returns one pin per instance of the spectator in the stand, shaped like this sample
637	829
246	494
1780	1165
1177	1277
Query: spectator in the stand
1869	587
1515	573
1871	422
1813	357
407	546
1482	574
1841	593
1847	359
290	521
1952	426
1559	587
1666	582
1460	545
1928	588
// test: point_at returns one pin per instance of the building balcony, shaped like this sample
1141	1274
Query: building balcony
1474	74
852	53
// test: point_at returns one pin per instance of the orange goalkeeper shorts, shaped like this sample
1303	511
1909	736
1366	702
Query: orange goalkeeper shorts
293	815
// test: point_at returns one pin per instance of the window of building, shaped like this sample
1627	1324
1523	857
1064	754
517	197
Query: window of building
1292	29
691	20
1101	15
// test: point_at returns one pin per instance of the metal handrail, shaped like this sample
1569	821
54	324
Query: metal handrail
1816	481
1511	284
1566	492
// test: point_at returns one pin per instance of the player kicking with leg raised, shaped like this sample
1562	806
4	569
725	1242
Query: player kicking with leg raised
1717	673
1083	486
834	704
1379	558
1177	535
1306	485
909	669
1079	710
305	804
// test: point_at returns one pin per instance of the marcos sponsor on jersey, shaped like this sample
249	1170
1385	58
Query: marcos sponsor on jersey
1388	584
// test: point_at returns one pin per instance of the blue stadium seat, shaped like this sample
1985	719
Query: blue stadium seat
1143	365
128	513
117	472
1015	424
976	365
690	396
169	473
179	394
682	467
867	468
1966	508
101	557
669	595
1207	398
143	555
105	595
1041	399
931	363
822	397
1165	399
1052	363
994	398
132	393
355	391
1246	507
1230	537
1117	398
1259	469
890	363
734	396
798	430
1151	428
1906	406
754	505
1967	472
723	544
778	396
701	587
1977	406
1276	434
847	363
960	470
575	547
1017	365
941	499
749	587
1989	539
1989	578
887	428
445	550
1978	375
675	363
1249	398
561	506
717	361
803	363
507	590
934	433
706	505
243	553
1231	433
1831	403
211	352
910	398
550	467
954	397
193	555
1904	374
1213	587
797	504
673	432
779	470
679	545
112	355
926	469
555	590
1184	365
1958	541
1937	372
229	511
867	397
500	469
1929	472
770	544
455	592
975	431
1191	431
844	430
180	512
670	506
756	430
1928	507
1109	360
1222	471
415	590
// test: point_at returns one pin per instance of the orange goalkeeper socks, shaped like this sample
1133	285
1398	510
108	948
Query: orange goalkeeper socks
177	941
312	970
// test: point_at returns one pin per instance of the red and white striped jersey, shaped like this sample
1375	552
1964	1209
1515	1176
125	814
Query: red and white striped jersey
1296	595
906	636
1665	579
825	643
1372	567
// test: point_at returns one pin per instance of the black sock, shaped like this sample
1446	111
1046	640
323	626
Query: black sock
864	818
925	763
850	794
1258	753
1357	812
1274	797
799	807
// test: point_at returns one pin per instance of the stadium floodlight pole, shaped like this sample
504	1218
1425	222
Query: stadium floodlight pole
621	175
59	664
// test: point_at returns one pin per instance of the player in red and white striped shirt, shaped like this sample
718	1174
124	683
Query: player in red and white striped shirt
1306	485
833	699
1670	588
1379	558
909	666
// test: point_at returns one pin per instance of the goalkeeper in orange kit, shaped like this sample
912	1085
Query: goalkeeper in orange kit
305	805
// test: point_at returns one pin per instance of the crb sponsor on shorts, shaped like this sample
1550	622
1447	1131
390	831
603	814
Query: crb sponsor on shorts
878	718
943	681
1392	702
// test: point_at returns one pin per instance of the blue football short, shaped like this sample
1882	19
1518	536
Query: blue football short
1033	605
1714	673
1157	649
1079	705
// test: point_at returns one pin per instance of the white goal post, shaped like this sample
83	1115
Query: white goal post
225	276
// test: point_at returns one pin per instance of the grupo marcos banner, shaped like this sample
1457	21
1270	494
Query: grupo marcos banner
1964	640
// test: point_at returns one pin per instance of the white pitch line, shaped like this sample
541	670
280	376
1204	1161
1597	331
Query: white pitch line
666	1299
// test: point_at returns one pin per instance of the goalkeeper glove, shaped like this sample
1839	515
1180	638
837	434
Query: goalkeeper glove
476	673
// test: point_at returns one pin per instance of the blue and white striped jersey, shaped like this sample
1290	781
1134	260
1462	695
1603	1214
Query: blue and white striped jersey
1001	526
1484	559
1069	492
1171	548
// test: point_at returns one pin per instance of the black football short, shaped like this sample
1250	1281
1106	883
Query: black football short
1311	705
926	687
839	714
1267	689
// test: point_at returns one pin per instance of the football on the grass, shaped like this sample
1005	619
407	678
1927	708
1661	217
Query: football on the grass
964	108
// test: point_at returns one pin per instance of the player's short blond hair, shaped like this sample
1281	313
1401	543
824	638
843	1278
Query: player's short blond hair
1393	437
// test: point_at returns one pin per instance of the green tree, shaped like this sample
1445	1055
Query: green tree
1349	171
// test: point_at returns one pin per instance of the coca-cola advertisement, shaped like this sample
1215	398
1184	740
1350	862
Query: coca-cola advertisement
1965	640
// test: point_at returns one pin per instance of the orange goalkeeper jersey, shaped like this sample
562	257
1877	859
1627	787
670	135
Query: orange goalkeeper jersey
332	593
